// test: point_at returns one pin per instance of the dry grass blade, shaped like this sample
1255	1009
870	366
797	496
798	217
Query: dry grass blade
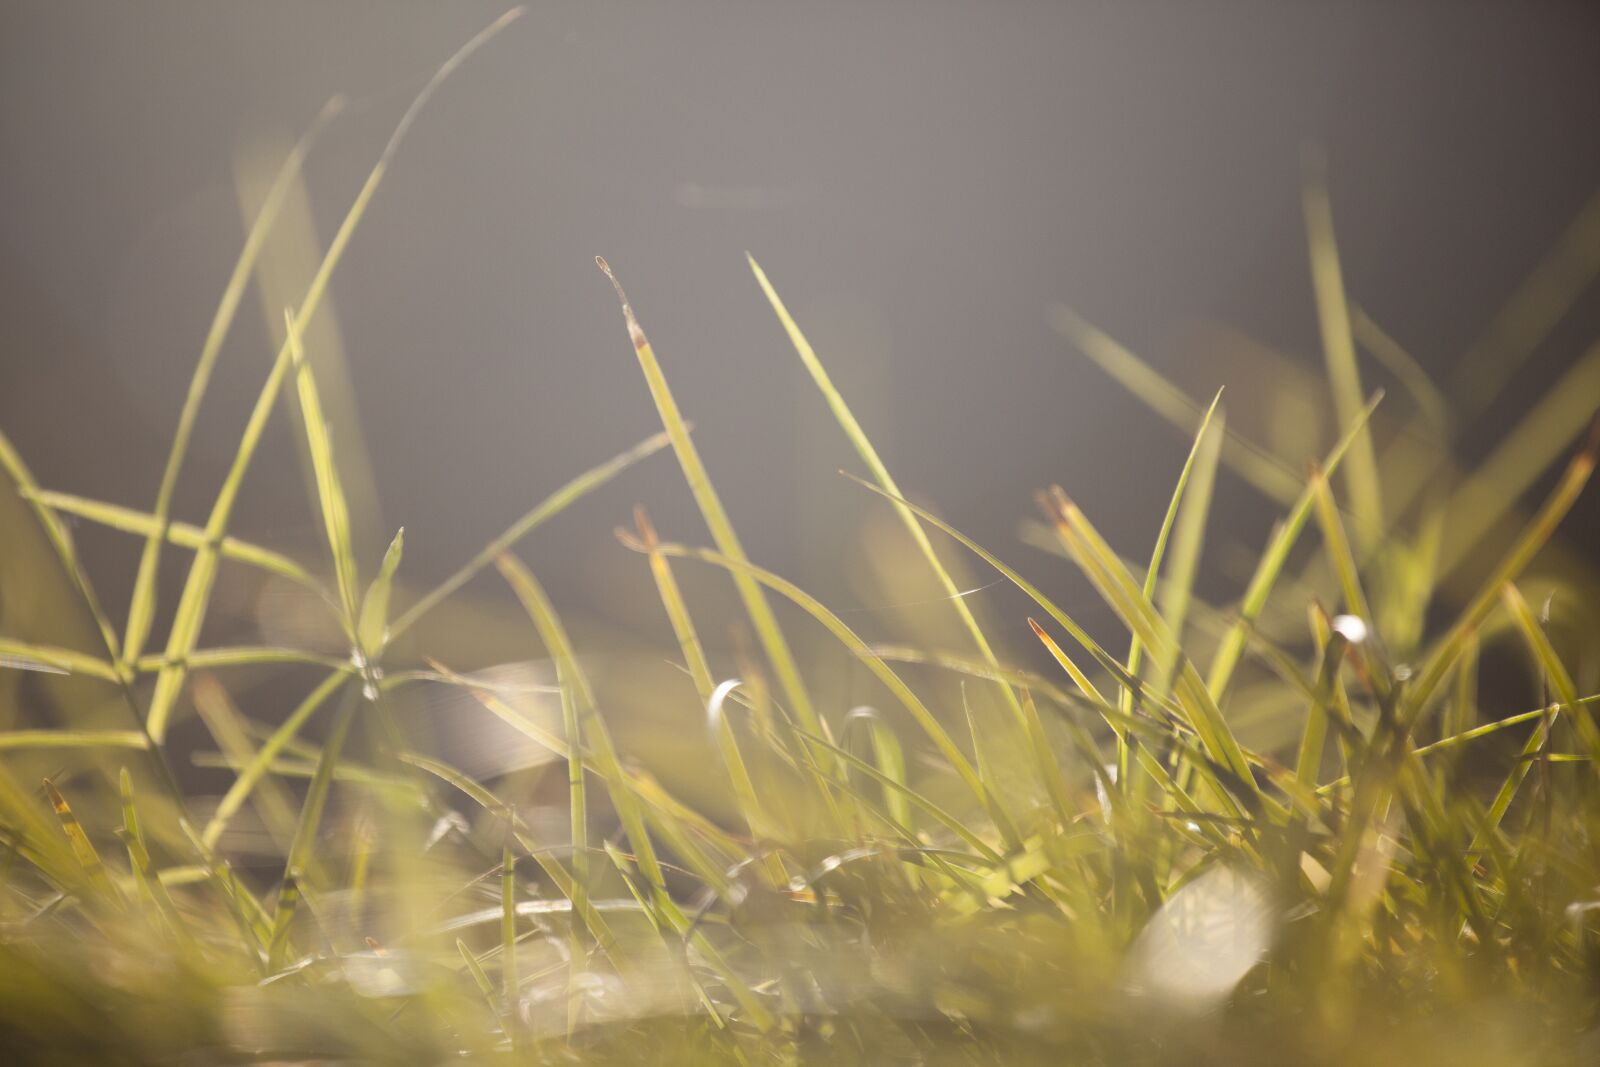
94	872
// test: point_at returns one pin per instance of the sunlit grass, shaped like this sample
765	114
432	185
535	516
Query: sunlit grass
1402	871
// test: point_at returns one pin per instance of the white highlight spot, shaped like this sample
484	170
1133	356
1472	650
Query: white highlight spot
1204	939
1352	628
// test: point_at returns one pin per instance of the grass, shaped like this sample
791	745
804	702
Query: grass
1288	828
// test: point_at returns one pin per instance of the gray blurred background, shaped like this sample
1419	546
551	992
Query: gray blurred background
921	181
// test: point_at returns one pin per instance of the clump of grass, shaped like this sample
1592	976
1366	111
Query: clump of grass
1390	868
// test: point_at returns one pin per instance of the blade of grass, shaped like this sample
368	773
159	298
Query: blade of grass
182	534
1339	350
578	717
545	510
1105	571
94	871
141	607
847	637
227	728
1272	562
23	655
1532	538
372	624
710	505
56	738
196	596
59	540
1555	671
880	473
1269	475
248	777
335	511
1194	507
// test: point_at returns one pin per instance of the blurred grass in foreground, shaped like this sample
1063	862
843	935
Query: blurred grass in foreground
1285	828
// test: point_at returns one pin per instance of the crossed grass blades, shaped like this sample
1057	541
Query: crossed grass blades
1360	860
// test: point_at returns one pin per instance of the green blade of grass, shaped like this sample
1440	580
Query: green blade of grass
578	719
509	982
1339	351
1065	621
227	727
717	521
1270	476
541	513
1272	562
251	774
847	637
1492	491
182	534
304	842
373	621
149	885
1193	499
880	473
196	596
334	509
24	655
1555	671
61	542
1528	543
683	628
56	738
244	656
141	607
191	608
1106	572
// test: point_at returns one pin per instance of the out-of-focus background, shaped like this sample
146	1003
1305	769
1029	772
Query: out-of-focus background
921	181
